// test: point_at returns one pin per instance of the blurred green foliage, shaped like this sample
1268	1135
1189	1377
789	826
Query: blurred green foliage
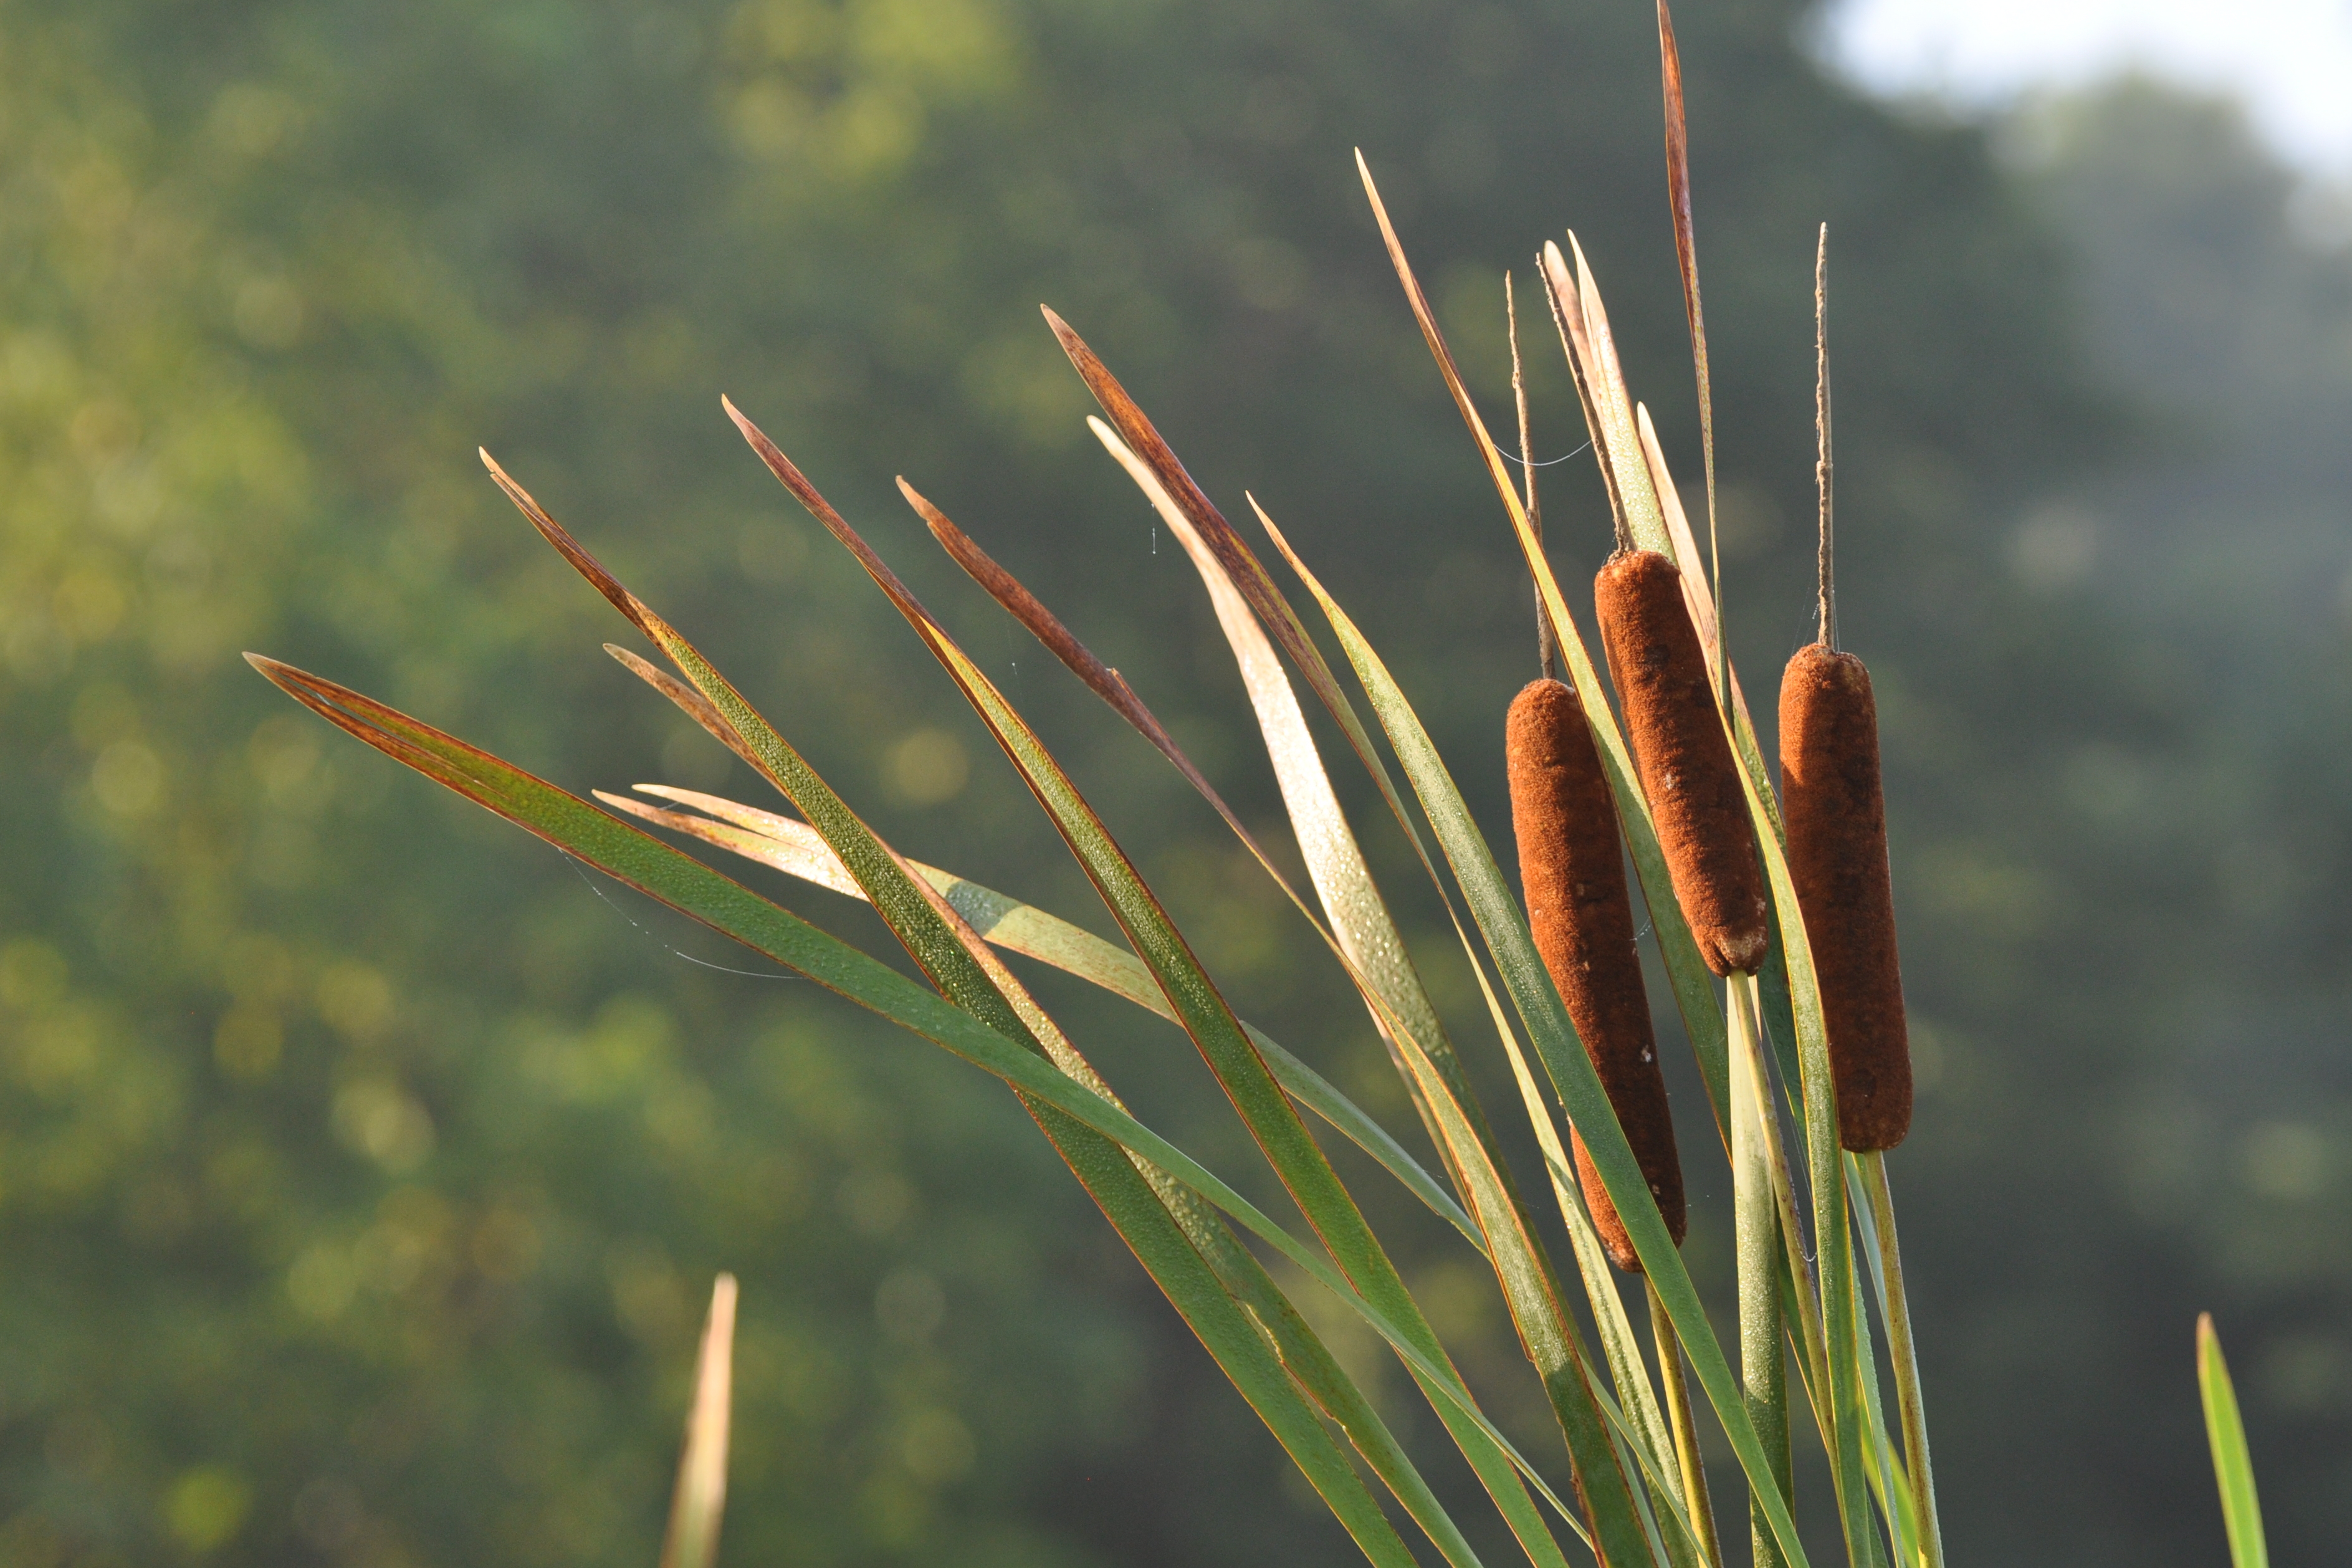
362	1168
2220	286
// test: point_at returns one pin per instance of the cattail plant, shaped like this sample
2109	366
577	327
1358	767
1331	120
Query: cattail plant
1679	788
1837	835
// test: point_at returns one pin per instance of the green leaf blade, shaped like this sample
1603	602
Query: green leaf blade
2233	1466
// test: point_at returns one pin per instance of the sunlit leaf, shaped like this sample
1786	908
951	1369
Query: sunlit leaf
701	1496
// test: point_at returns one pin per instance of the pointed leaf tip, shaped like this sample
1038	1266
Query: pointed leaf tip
571	549
702	1495
277	672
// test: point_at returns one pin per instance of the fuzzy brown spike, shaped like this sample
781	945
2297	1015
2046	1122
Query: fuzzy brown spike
1684	758
1573	874
1837	857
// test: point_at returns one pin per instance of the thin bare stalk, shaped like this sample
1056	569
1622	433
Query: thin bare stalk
1824	463
1678	1411
1546	648
1907	1361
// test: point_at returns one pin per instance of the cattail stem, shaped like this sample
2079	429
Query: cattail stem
1758	1241
1695	1500
1572	872
1546	643
1900	1348
1824	467
1683	755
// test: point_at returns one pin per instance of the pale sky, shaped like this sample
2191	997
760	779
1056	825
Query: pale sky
2290	61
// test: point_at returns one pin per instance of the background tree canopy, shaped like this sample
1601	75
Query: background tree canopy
362	1164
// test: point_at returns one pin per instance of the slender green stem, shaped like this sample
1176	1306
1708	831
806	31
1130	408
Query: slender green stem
1678	1411
1763	1364
1800	1307
1907	1361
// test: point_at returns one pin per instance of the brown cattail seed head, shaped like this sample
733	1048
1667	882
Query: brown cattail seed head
1685	762
1837	857
1582	917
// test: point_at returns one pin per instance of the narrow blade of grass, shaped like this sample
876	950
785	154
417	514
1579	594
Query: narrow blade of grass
1826	1175
1696	1501
1140	447
1890	1479
2233	1467
1760	1269
1771	1159
1568	316
692	1540
1884	1252
1392	1008
1678	198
